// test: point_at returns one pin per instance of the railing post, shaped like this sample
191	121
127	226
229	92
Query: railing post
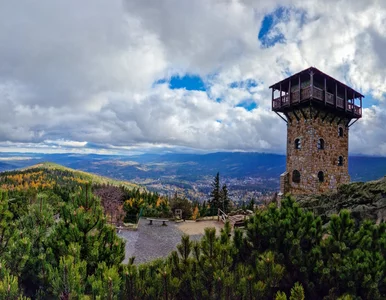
312	84
325	91
289	93
353	102
300	89
336	95
281	97
345	99
273	95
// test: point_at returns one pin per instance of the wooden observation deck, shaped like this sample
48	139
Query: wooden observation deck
316	89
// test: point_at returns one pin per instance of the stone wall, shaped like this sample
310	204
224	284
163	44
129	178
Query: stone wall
314	124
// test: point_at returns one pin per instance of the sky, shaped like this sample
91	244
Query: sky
125	76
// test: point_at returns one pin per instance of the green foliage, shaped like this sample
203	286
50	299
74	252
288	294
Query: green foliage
82	222
69	278
9	288
219	196
297	292
184	204
55	244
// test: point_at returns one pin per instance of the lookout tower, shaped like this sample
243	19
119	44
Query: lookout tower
319	111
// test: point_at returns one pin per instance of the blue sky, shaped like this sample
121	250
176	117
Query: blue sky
151	75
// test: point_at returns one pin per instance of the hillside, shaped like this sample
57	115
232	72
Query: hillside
365	200
81	176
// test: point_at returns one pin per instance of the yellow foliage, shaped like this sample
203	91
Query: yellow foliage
159	202
196	213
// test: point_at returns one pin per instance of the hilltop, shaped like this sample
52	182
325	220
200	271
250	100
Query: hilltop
365	200
47	174
93	178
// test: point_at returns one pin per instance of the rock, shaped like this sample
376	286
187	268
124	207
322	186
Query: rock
365	200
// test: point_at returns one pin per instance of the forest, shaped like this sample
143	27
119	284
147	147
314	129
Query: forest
56	242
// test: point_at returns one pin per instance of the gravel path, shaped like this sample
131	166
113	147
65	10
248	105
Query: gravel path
154	241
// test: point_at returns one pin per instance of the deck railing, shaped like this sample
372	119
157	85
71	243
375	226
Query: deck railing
317	94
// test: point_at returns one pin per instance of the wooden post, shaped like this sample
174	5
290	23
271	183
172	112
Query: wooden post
336	95
273	95
289	92
325	91
300	92
281	97
312	84
353	102
345	99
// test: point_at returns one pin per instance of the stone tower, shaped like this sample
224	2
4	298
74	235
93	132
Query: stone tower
318	110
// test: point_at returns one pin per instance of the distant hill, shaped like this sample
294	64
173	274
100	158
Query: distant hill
190	174
365	200
46	172
6	166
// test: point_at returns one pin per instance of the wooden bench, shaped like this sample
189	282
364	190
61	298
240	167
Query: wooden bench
159	220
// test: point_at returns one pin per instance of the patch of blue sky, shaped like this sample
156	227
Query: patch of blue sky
368	101
268	36
188	82
244	84
247	105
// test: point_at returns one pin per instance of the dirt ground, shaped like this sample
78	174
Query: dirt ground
195	228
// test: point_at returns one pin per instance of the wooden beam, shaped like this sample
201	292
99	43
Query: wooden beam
353	102
300	88
288	117
312	84
296	116
325	91
336	95
340	119
282	117
333	119
317	114
289	93
304	115
345	99
352	123
325	116
281	97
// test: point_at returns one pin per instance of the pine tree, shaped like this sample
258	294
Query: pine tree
215	193
224	199
82	222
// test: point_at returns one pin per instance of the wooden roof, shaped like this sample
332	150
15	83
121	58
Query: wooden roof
276	86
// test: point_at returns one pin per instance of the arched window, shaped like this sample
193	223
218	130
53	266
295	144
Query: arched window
340	161
321	176
296	176
298	145
320	144
340	132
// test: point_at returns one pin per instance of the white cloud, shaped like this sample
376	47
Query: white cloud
78	73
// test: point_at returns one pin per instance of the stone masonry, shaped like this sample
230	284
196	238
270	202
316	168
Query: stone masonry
309	160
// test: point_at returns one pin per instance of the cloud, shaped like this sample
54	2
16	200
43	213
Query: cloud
126	75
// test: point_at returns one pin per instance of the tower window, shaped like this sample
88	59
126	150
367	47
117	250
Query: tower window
320	144
298	145
340	161
321	176
296	176
340	132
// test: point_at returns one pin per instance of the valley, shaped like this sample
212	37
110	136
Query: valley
247	175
